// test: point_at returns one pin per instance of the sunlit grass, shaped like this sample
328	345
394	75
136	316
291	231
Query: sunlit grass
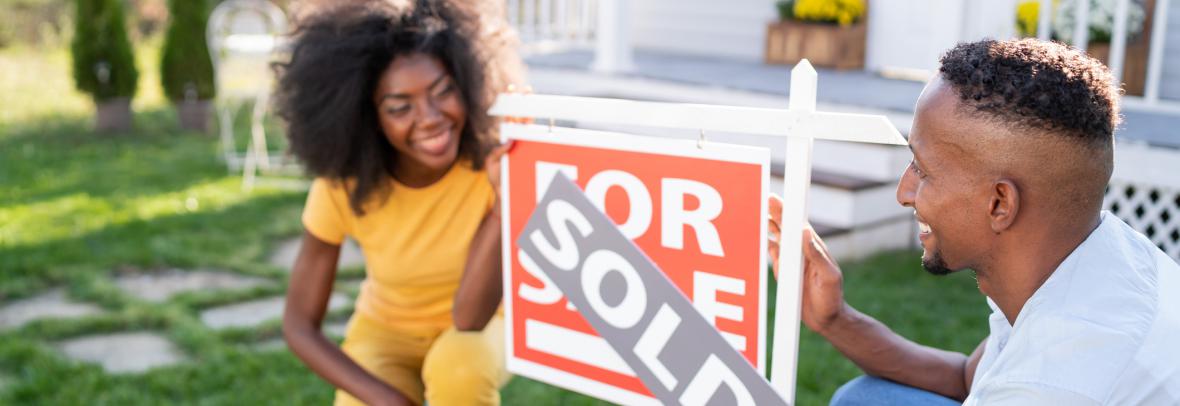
36	84
77	214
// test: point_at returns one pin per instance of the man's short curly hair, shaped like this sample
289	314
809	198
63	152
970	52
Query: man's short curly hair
325	90
1036	85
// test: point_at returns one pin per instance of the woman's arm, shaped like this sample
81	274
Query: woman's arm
307	300
480	289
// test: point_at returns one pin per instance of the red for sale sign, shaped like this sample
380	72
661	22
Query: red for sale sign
697	211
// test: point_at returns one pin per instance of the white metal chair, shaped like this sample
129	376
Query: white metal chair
243	37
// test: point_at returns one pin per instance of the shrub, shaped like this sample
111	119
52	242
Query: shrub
186	69
843	12
786	9
103	63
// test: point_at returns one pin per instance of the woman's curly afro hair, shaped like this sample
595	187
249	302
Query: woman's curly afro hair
1037	85
325	90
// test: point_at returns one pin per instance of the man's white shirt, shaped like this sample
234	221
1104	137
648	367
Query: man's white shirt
1104	329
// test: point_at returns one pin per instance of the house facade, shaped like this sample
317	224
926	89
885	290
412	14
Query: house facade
669	42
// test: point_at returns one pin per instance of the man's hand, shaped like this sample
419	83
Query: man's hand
823	283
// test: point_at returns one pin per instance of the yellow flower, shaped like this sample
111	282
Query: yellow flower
1027	17
843	12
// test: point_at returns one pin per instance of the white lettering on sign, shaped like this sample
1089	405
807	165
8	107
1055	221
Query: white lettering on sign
560	214
704	297
545	172
653	341
708	381
548	293
675	216
628	312
639	217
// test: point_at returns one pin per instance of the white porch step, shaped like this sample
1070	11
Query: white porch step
856	217
857	243
847	201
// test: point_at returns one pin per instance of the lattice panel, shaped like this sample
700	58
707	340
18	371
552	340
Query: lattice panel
1151	209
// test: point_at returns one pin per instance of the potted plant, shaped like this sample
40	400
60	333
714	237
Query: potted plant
829	33
103	63
186	69
1101	16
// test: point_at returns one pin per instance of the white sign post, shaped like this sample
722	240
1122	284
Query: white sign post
800	124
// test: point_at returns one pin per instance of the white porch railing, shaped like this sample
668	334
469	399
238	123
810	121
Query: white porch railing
1151	99
547	25
1145	192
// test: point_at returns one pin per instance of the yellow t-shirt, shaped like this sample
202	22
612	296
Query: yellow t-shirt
415	242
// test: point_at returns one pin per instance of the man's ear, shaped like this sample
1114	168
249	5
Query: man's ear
1004	205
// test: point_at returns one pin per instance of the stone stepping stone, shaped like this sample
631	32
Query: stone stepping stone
255	312
284	256
162	285
49	305
129	352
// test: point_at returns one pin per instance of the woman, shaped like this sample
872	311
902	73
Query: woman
386	106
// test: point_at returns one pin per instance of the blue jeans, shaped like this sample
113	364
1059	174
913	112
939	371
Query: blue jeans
867	390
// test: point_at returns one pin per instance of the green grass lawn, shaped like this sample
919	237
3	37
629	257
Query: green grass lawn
75	206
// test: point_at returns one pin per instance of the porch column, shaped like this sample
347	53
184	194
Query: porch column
612	49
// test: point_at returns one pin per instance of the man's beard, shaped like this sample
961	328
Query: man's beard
935	265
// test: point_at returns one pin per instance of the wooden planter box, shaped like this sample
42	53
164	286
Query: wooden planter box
193	114
825	45
113	115
1134	64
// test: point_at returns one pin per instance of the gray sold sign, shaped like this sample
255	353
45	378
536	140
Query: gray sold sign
677	354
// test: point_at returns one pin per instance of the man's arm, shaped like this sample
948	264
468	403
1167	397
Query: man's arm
883	353
865	341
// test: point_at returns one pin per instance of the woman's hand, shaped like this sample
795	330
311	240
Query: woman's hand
492	164
823	282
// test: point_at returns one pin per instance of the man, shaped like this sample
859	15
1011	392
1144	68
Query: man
1013	147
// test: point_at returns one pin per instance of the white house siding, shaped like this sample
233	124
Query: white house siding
913	34
734	29
1170	76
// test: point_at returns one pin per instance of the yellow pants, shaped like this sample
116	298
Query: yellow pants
451	368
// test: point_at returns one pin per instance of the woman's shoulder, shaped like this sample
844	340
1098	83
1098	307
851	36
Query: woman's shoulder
336	190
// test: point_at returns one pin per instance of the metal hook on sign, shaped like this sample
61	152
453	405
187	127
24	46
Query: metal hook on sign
701	140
